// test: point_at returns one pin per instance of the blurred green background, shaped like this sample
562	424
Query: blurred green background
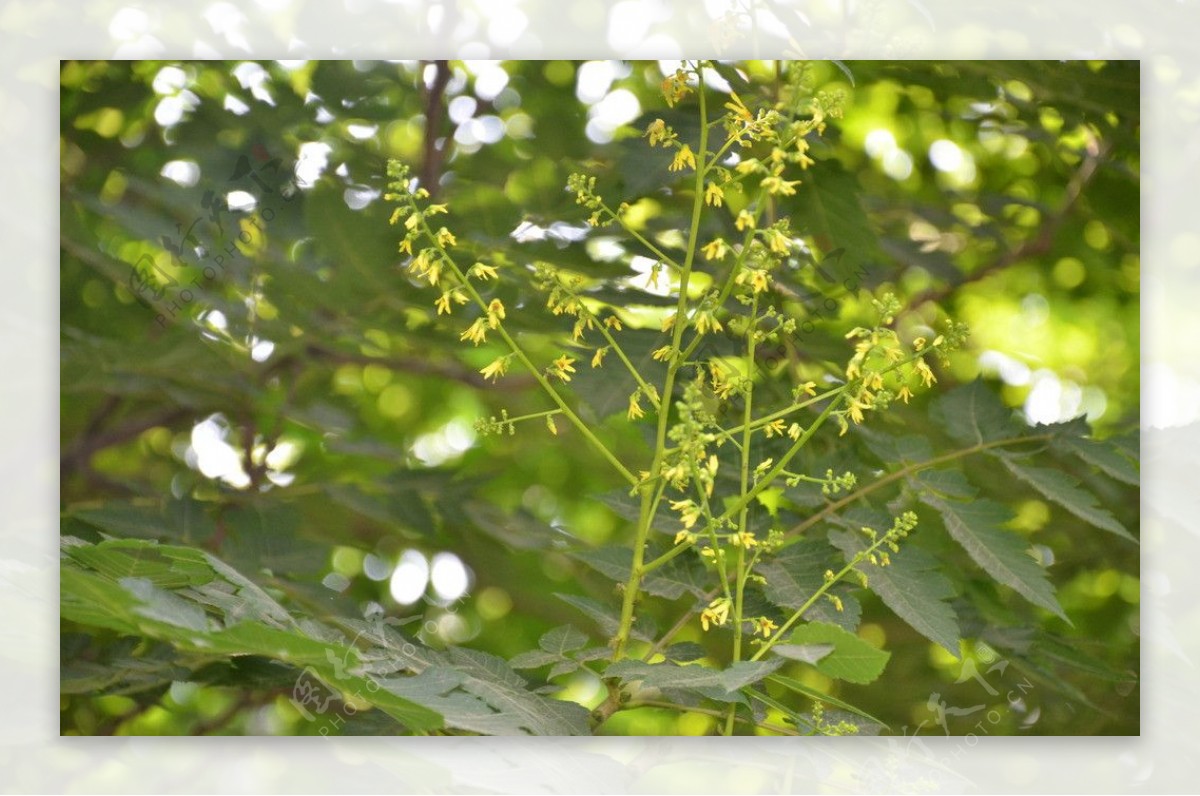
303	411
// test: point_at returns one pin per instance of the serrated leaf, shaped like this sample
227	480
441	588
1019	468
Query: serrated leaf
608	619
853	659
562	640
1102	455
817	696
805	653
911	586
492	680
672	675
797	573
670	581
1064	490
684	652
1001	553
533	659
972	413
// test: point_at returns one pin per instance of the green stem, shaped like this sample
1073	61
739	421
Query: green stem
650	505
520	354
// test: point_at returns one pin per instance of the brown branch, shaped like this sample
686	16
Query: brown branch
1036	246
435	112
89	444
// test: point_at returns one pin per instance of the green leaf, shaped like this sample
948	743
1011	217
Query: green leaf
911	586
608	619
853	659
805	653
671	581
1002	554
972	413
562	640
1064	490
1104	456
492	680
798	572
671	675
817	696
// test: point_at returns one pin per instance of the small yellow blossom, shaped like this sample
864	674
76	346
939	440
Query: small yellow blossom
684	536
904	394
918	343
713	195
759	280
613	322
476	332
779	243
738	109
744	221
406	246
684	157
433	210
661	354
443	304
496	369
482	271
809	388
926	374
550	425
743	539
689	511
563	367
445	237
635	407
777	186
765	626
657	132
775	427
598	357
715	250
717	613
705	322
495	313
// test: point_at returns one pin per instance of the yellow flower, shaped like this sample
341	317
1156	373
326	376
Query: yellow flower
481	271
743	539
598	357
476	332
657	131
904	393
918	343
765	626
684	157
705	322
713	195
744	221
689	511
443	304
738	109
683	536
717	613
778	186
495	313
759	280
779	243
635	407
563	368
715	250
809	388
445	237
433	210
773	428
613	322
406	246
926	374
661	354
497	369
